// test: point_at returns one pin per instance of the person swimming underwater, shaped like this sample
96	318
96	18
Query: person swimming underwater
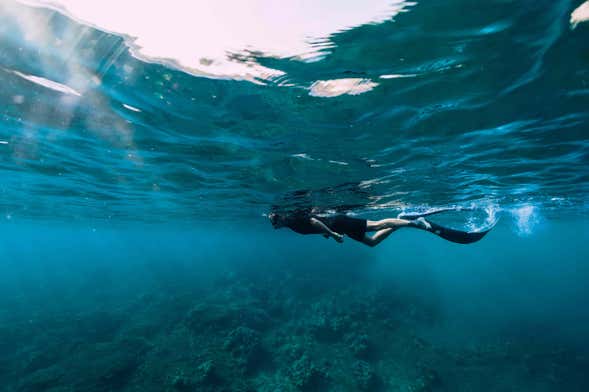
336	226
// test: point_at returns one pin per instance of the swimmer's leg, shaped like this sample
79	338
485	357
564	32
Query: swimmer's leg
378	237
385	227
395	223
389	223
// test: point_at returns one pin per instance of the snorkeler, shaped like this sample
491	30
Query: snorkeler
335	226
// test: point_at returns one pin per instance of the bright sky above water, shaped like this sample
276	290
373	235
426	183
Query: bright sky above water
199	35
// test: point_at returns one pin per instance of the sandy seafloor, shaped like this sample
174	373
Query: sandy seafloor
238	306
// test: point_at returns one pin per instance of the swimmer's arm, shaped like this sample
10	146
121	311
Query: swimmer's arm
322	226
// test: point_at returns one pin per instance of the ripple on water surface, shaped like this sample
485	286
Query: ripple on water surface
348	107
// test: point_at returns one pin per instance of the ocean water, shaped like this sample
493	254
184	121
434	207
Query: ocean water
142	145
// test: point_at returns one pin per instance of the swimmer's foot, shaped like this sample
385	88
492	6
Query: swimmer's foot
422	223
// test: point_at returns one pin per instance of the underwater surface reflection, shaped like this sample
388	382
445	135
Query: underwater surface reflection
402	106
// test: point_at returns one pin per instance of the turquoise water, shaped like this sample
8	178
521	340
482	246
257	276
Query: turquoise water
136	175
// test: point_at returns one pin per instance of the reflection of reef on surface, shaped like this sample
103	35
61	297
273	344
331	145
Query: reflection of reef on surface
269	331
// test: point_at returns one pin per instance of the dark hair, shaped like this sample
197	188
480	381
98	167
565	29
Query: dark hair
272	217
275	218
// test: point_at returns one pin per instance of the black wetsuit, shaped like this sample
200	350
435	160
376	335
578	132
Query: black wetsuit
300	222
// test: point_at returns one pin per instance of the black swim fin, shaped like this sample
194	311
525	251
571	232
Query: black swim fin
460	237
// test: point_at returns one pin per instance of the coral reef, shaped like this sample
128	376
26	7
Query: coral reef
244	345
364	376
304	374
267	332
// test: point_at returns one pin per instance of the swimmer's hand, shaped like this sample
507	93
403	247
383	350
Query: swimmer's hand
338	237
327	232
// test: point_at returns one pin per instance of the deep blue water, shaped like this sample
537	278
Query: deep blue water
135	253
